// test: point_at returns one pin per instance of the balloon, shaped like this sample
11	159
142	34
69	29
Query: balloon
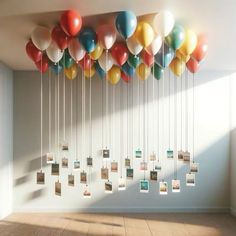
125	77
120	53
88	39
90	72
106	35
34	53
164	60
155	46
60	37
67	60
75	50
144	33
100	71
106	61
56	68
41	37
42	65
97	52
177	66
134	60
193	65
157	71
148	59
163	23
54	53
126	23
133	45
181	56
71	72
71	22
176	38
86	63
143	71
201	49
189	44
114	75
129	70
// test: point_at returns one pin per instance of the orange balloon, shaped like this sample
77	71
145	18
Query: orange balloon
201	50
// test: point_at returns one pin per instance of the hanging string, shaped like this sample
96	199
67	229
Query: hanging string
90	111
41	112
58	115
64	102
71	114
121	129
193	118
163	106
102	98
127	113
55	112
158	121
113	119
144	128
49	112
181	111
187	114
169	112
139	120
107	119
175	128
153	113
132	119
76	115
83	115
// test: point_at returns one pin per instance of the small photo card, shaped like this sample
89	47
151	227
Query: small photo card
129	173
153	175
153	157
144	186
50	158
175	186
190	179
180	155
106	153
163	188
89	161
40	177
143	166
108	187
114	166
65	146
55	169
121	184
64	162
138	153
83	177
127	162
104	173
186	156
76	165
158	167
87	193
58	188
71	180
170	153
194	167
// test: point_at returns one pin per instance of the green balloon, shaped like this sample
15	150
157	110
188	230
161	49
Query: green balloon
134	60
176	38
67	60
157	71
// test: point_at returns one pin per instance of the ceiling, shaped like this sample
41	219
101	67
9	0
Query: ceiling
216	18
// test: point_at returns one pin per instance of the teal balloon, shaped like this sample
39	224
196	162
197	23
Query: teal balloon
176	38
129	70
67	60
157	71
164	60
56	68
88	39
99	70
134	60
126	22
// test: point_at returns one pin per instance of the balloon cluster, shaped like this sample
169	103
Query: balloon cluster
145	49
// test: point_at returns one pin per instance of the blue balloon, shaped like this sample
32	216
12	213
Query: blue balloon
126	23
99	70
164	60
88	39
56	68
129	70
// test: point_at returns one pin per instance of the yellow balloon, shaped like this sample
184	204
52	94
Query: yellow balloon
143	71
89	73
114	75
182	57
97	52
144	33
71	72
177	66
189	44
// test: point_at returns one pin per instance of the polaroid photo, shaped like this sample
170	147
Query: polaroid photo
65	147
121	184
180	155
143	166
138	153
76	165
58	188
87	193
153	175
40	178
170	154
144	186
163	188
190	179
153	157
186	156
175	186
71	180
194	167
129	173
106	153
114	166
50	158
55	169
89	161
108	187
104	173
83	177
64	162
158	167
127	162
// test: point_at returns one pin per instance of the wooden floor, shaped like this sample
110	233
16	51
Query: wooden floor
67	224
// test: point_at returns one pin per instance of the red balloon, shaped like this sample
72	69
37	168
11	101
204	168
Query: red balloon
125	77
193	65
60	37
201	49
42	65
148	59
33	52
86	63
71	22
120	53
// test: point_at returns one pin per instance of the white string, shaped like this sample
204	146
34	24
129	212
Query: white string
83	116
144	128
113	120
163	106
121	128
153	110
139	120
181	112
55	112
58	114
49	112
71	115
193	118
175	129
186	115
41	118
169	106
127	113
90	111
64	103
132	120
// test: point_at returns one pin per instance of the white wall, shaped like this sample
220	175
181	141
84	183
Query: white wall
6	140
212	152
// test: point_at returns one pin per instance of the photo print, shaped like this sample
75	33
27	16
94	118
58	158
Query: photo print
163	188
158	167
76	165
153	156
50	158
143	166
138	153
40	177
127	162
121	184
180	155
190	179
175	186
71	180
64	162
106	153
144	186
55	169
87	193
170	154
187	156
83	177
65	147
153	175
104	173
89	161
129	173
114	166
58	188
108	187
194	167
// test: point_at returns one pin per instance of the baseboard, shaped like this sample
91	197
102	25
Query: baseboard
233	211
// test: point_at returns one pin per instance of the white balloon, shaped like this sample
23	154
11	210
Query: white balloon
76	50
106	61
133	46
54	53
163	23
155	46
41	37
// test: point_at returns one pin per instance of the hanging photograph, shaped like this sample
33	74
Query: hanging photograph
190	179
76	165
121	184
175	186
106	153
129	173
89	161
114	166
58	188
163	188
170	154
180	155
144	186
153	157
153	175
50	158
108	187
83	177
194	167
158	166
104	173
138	153
87	194
127	162
65	147
143	166
187	156
71	180
55	169
64	162
40	177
